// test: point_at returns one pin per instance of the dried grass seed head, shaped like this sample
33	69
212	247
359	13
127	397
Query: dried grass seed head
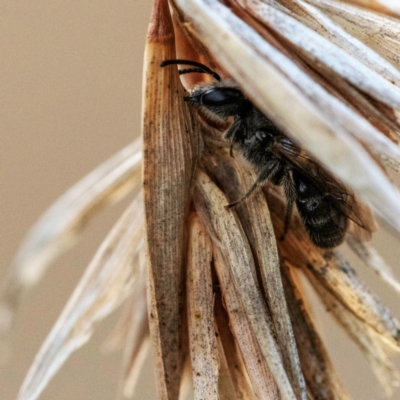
313	79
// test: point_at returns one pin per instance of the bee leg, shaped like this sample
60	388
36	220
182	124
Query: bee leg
251	190
235	134
264	175
290	193
231	149
288	217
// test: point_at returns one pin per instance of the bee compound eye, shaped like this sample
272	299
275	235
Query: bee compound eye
220	97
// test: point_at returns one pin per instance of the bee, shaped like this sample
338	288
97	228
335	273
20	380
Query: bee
324	204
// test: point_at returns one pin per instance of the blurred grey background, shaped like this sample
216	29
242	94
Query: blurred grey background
70	76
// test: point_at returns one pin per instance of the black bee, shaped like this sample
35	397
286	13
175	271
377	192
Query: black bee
324	204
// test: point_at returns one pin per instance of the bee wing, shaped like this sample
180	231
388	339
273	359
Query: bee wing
363	222
369	225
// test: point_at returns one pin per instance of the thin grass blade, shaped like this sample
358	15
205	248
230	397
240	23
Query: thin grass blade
137	343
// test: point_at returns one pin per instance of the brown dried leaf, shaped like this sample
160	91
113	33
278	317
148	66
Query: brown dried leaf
350	95
313	18
256	364
169	148
199	293
210	204
320	51
379	32
256	221
108	280
269	265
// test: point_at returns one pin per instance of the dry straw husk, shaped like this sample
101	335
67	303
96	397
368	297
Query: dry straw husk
212	291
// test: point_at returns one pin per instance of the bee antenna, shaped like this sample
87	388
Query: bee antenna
200	68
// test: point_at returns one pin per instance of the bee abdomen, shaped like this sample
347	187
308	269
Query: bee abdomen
326	227
325	224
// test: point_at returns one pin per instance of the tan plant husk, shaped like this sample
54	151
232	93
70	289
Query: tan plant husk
169	147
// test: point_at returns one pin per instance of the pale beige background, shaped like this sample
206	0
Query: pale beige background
70	97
